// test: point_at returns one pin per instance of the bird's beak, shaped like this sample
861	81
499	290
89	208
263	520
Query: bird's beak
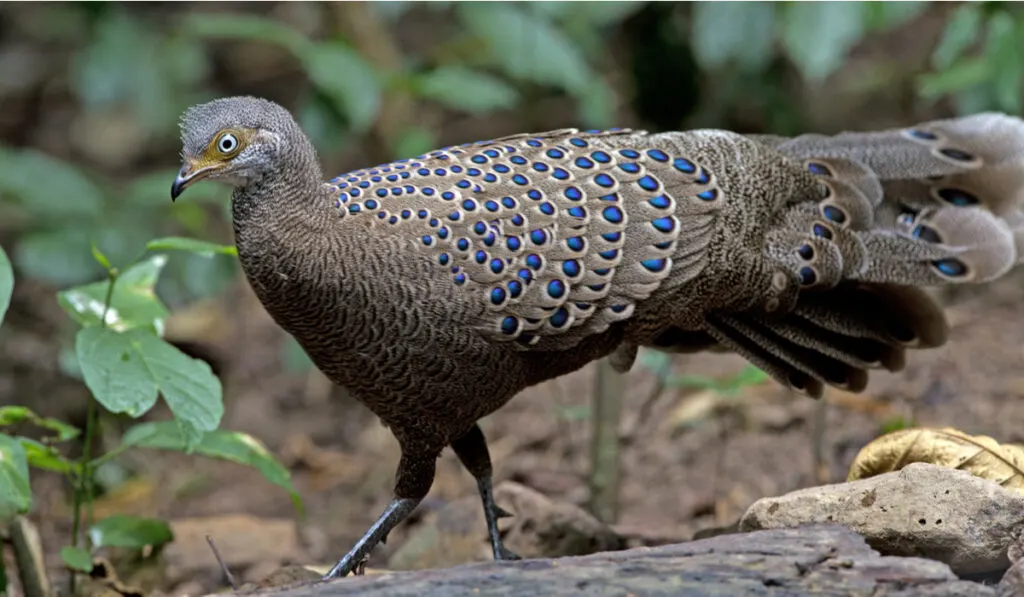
191	172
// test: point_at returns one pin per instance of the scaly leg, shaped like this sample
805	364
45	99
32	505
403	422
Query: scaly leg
415	476
471	449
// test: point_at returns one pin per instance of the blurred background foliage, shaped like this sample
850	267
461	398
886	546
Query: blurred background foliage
91	92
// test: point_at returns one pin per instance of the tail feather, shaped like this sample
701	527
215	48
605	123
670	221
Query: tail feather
935	204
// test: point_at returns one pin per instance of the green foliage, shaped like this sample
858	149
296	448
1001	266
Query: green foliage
336	71
15	493
991	78
127	365
225	445
6	283
467	90
126	370
659	363
76	558
130	531
132	303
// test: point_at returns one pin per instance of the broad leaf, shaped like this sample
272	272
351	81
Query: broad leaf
125	371
343	75
133	303
961	31
10	415
468	90
1002	50
199	247
15	491
226	445
817	35
526	45
48	187
979	455
240	26
6	283
739	32
130	531
76	558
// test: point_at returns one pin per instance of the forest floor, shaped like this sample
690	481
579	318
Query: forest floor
698	461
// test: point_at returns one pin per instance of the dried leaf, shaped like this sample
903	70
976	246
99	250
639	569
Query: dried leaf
979	455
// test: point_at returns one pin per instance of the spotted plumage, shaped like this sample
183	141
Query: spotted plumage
560	233
437	287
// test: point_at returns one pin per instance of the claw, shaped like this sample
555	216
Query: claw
500	512
504	553
384	539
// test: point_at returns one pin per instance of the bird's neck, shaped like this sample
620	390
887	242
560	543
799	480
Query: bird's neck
287	204
283	225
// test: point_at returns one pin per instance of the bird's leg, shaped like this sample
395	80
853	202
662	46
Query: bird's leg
415	476
471	449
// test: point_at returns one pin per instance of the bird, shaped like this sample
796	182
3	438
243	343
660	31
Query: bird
435	288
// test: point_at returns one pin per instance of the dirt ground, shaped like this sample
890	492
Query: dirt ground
697	462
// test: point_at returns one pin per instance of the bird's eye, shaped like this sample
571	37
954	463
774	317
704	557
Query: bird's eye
227	143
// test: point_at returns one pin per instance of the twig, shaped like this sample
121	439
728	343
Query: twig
224	567
643	414
604	454
28	554
818	431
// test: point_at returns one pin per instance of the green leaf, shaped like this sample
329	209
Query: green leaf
343	75
15	491
526	45
130	531
60	257
1002	49
6	283
47	187
413	141
241	26
199	247
46	457
817	35
335	69
133	304
226	445
10	415
76	558
961	76
124	371
961	31
100	257
886	15
467	90
740	32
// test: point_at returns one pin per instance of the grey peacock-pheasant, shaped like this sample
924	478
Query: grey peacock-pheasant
436	288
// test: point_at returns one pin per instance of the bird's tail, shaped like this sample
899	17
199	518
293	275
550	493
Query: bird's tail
935	204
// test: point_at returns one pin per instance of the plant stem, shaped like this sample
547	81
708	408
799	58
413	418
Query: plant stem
84	488
605	470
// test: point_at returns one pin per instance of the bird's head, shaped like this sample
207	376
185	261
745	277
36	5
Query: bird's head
235	140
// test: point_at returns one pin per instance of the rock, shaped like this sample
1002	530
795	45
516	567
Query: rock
921	510
822	560
539	527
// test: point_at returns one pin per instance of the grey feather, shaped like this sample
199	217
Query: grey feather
436	288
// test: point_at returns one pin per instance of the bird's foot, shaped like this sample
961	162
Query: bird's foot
355	560
503	553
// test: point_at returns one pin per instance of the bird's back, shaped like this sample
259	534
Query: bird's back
544	242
